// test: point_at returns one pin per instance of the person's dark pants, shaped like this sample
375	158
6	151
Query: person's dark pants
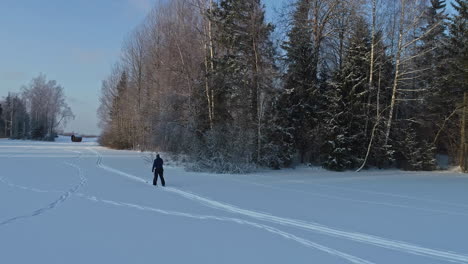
159	172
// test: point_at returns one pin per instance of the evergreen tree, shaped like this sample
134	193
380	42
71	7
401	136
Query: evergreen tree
347	101
433	69
433	51
300	82
336	152
243	73
278	141
332	105
17	118
421	120
458	51
453	82
416	154
9	112
120	132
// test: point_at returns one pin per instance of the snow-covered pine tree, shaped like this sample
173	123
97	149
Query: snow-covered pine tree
278	146
347	100
445	77
300	81
120	132
433	70
424	81
409	149
429	161
243	72
431	46
458	48
336	153
416	154
17	118
456	79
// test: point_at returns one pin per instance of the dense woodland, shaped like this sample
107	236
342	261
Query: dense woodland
37	112
345	84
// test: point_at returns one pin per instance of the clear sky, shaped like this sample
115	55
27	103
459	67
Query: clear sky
74	42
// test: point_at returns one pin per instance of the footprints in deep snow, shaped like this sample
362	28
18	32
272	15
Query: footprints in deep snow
51	205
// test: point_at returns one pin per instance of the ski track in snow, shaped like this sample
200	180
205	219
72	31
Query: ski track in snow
353	200
362	201
341	179
393	195
289	236
311	226
53	204
305	242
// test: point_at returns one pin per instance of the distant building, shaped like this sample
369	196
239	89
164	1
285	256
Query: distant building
76	138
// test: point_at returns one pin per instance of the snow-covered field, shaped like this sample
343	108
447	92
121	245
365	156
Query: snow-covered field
80	203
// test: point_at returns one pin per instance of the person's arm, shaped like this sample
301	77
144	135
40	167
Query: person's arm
154	165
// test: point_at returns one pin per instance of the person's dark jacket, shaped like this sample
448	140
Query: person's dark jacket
158	164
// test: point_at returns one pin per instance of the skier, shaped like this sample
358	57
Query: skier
158	170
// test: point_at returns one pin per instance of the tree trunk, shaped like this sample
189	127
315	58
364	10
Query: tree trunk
463	139
371	68
397	72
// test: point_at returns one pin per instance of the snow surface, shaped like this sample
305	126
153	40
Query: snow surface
66	202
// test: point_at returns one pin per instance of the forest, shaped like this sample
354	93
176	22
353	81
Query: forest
342	84
36	113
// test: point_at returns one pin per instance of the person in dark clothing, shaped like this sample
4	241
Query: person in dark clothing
158	170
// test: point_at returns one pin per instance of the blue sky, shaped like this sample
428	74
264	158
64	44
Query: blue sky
72	41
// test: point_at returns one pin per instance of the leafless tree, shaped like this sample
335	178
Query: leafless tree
46	103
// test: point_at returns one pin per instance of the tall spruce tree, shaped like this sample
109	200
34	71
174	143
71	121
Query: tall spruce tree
347	99
243	76
452	83
433	69
278	142
457	77
120	132
426	80
16	116
432	46
300	82
458	50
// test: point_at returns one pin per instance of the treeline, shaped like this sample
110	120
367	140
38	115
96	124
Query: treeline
347	84
35	113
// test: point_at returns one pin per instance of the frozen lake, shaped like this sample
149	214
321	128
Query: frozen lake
80	203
